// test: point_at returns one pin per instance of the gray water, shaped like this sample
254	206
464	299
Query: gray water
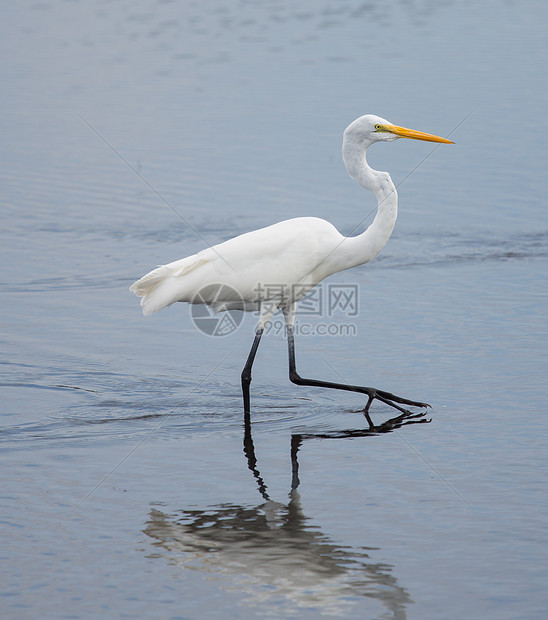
135	133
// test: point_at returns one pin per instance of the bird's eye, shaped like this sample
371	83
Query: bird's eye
377	127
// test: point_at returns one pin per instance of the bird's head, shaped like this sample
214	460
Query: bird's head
370	128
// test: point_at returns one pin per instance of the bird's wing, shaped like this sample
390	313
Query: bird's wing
276	256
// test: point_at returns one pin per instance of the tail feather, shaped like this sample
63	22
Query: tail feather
161	287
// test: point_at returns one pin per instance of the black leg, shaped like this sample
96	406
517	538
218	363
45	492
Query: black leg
372	393
246	372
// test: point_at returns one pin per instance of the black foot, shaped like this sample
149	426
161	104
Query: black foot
393	401
385	397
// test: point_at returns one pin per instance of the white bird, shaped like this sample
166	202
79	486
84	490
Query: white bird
274	267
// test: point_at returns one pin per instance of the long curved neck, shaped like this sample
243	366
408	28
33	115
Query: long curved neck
362	248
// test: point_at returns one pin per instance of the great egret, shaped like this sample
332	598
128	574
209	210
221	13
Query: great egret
276	266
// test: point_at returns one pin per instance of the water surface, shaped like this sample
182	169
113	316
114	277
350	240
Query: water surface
137	133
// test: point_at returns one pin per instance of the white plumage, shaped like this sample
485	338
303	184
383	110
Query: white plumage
290	255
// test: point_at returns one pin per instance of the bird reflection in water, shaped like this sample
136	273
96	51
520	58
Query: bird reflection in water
273	551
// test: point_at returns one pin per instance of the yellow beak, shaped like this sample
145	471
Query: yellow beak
402	132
